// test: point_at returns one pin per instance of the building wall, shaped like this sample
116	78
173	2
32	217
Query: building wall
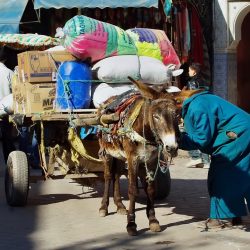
243	62
228	18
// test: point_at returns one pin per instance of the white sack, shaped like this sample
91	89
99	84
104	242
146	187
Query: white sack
173	89
6	105
56	48
147	69
103	91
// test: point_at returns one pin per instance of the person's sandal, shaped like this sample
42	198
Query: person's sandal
214	224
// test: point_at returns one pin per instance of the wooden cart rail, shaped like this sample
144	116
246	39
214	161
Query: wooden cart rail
79	119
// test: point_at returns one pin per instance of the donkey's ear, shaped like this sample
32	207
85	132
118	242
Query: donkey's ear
187	93
171	67
177	72
144	89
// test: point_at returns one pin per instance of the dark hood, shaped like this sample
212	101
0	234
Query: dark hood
187	102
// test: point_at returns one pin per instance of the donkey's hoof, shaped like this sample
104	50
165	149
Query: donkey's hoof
131	229
103	212
122	211
155	226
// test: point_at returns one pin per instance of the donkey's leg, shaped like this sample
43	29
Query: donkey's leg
149	189
132	194
153	222
107	160
121	209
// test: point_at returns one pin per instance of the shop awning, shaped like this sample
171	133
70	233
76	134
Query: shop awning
31	41
94	3
11	12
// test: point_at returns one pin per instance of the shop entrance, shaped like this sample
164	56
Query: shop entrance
243	63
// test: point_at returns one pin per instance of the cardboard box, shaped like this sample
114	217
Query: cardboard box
18	95
41	66
39	97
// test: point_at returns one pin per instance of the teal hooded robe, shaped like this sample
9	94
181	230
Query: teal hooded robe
208	119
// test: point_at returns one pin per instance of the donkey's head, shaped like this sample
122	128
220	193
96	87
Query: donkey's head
163	120
162	115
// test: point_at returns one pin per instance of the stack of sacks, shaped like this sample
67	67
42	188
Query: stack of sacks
144	54
154	43
116	69
87	38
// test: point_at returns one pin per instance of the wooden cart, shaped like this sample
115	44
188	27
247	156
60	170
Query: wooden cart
63	154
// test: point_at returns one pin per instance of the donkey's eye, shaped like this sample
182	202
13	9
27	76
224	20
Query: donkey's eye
156	117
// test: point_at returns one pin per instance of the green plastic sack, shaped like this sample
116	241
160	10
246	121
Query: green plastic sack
86	38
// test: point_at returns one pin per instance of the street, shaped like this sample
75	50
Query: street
62	214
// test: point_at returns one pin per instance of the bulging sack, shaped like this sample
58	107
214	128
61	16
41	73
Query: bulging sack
116	69
86	37
154	43
103	91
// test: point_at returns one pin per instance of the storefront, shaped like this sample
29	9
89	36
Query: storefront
187	23
231	51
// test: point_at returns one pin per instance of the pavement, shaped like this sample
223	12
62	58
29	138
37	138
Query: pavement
63	215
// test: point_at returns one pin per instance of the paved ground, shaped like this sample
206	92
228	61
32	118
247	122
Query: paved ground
64	215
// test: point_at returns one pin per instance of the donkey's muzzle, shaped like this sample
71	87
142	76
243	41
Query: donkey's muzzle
171	151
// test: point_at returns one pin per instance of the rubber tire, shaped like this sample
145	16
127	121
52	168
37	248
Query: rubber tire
17	179
162	185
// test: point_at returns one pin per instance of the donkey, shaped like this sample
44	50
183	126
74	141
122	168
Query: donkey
147	129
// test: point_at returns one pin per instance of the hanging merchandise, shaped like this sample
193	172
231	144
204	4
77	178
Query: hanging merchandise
154	43
167	5
196	38
179	16
146	18
87	38
186	35
157	18
139	17
177	30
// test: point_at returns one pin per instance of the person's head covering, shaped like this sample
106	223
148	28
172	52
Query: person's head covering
8	56
3	55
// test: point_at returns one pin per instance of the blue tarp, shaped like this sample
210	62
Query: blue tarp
11	12
94	3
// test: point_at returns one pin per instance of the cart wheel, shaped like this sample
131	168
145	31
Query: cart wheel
162	185
17	179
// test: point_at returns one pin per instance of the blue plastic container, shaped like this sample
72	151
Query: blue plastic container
73	88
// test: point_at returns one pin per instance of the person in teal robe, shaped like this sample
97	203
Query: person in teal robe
222	130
